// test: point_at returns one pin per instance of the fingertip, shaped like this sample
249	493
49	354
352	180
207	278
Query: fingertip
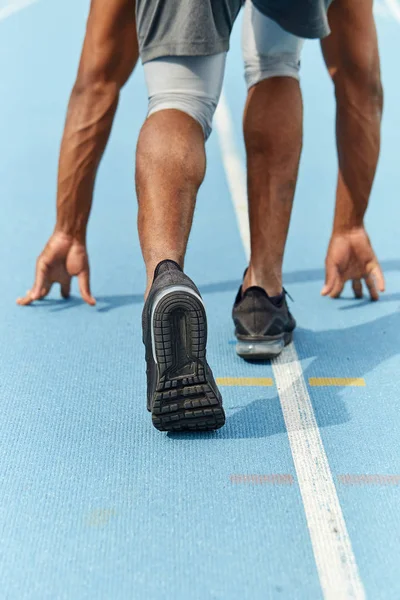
65	290
336	293
23	301
330	282
379	279
327	289
358	292
373	294
90	300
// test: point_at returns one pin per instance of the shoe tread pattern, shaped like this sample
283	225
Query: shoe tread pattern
186	397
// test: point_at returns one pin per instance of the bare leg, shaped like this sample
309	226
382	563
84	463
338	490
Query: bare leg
170	157
273	136
170	167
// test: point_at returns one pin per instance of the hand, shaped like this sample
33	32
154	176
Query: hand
351	256
62	259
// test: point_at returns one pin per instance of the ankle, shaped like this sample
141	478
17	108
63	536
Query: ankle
266	279
152	264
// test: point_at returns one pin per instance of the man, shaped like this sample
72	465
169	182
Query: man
273	144
181	391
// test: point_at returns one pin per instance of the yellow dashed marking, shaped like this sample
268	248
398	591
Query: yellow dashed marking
99	517
337	381
313	381
262	381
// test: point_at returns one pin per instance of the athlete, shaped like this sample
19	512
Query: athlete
181	391
109	55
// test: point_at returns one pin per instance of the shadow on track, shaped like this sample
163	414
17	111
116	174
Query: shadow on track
355	351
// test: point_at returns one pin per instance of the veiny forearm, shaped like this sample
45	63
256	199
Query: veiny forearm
87	130
358	142
352	58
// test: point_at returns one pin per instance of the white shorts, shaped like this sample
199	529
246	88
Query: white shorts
193	84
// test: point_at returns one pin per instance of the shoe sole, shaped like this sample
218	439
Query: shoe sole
263	349
185	399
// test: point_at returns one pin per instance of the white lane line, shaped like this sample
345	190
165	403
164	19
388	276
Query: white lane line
13	7
394	8
381	10
334	557
235	173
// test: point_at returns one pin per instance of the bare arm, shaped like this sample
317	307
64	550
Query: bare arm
108	58
351	56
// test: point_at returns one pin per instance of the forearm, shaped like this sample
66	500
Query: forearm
87	130
352	59
358	144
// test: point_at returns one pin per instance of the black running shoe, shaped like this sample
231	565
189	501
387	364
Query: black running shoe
262	328
181	391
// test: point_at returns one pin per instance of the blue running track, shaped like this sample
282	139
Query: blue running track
94	502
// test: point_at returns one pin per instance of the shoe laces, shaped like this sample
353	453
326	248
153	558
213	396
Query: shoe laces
287	294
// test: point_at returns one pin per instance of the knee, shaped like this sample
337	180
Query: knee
171	145
272	121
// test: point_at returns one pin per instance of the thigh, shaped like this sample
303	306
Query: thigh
268	50
352	45
200	76
110	48
191	84
263	36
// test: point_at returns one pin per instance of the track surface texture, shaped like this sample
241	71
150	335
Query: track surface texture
297	497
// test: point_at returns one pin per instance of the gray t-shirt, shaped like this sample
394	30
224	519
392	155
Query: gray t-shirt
203	27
